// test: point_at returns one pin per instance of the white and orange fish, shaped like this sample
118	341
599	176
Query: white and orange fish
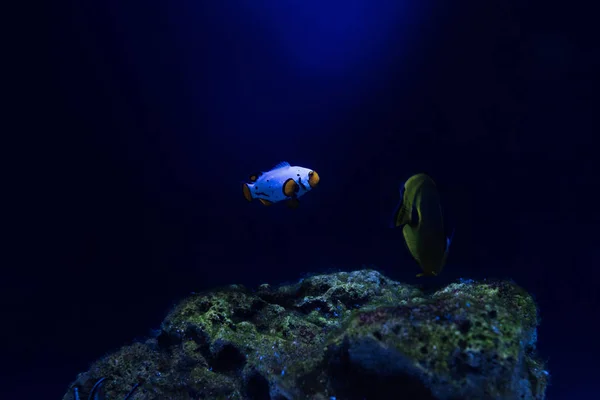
282	183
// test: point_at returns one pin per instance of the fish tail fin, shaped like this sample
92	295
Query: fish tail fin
247	192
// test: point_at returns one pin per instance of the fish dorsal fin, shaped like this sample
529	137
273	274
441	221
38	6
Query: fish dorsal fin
282	164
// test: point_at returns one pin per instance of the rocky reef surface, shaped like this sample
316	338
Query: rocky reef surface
345	335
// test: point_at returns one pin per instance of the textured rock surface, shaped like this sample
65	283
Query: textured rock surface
356	335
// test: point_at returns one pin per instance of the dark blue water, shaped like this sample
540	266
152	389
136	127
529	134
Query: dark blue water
147	117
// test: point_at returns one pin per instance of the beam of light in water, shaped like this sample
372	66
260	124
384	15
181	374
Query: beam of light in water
333	37
223	77
292	66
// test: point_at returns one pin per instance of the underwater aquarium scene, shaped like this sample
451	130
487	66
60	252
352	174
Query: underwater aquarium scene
289	200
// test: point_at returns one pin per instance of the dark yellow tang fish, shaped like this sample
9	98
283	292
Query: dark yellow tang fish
420	215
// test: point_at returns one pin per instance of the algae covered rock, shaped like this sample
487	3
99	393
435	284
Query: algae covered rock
346	335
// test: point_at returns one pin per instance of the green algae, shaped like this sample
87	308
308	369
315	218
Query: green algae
466	340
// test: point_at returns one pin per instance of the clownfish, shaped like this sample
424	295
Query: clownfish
282	183
420	215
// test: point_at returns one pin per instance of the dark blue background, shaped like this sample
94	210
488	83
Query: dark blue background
141	120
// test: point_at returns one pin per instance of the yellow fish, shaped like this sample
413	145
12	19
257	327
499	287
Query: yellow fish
420	215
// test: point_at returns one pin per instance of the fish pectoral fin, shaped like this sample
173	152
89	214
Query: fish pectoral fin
265	202
400	217
293	203
420	275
